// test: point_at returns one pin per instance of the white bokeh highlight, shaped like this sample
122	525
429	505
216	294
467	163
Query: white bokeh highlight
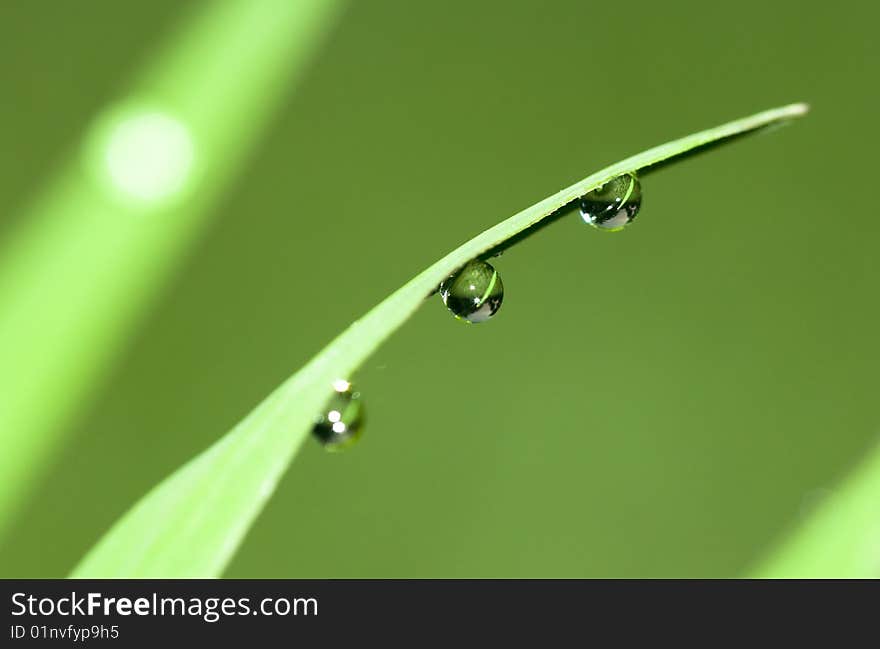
149	156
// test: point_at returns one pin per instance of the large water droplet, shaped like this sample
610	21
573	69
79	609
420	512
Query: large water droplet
474	293
339	425
614	205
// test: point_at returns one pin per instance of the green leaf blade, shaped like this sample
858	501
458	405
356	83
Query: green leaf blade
191	524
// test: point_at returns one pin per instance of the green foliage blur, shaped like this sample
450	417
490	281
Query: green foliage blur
668	401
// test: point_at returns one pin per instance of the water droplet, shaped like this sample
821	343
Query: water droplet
340	423
613	205
473	293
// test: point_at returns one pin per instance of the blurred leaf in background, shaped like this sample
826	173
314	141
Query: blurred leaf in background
98	241
841	536
659	402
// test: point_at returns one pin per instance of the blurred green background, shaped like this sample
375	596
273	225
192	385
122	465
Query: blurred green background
669	401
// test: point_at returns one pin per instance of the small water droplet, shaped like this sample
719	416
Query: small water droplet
474	293
613	205
339	425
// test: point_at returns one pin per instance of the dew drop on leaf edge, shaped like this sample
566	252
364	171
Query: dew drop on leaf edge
473	293
340	423
614	205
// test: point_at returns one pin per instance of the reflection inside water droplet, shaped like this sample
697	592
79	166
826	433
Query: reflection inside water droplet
340	424
614	205
474	293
